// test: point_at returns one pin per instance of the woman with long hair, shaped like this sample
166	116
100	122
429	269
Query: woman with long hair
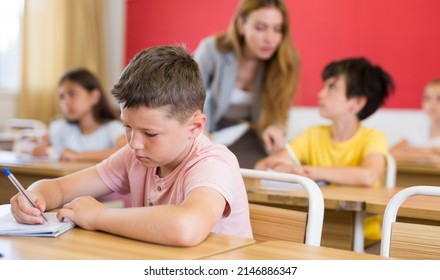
250	74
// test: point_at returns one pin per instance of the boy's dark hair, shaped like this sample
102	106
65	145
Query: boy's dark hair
162	76
102	111
363	80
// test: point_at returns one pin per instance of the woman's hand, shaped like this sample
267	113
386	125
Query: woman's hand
273	138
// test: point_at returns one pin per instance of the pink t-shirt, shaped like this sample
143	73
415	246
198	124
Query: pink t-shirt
207	165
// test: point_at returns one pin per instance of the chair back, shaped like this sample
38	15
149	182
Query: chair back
415	241
273	223
314	219
24	127
390	180
405	240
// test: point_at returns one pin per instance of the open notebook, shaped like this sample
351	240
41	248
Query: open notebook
9	226
270	185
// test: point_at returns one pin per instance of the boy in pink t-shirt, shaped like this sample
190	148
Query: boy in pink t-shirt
182	186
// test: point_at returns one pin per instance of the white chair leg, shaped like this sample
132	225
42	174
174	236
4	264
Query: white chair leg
358	239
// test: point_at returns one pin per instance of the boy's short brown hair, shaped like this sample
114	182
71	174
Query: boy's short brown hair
163	76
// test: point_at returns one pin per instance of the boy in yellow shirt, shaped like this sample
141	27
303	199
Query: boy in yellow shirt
344	152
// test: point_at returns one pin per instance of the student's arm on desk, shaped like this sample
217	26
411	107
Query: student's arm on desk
70	155
366	174
54	193
34	145
404	152
187	224
281	162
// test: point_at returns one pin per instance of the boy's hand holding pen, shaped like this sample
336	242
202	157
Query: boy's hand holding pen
26	195
282	164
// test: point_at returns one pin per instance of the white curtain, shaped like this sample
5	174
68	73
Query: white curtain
58	35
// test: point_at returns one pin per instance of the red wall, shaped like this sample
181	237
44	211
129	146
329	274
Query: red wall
402	36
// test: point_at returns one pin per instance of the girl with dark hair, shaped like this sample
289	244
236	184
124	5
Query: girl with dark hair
90	130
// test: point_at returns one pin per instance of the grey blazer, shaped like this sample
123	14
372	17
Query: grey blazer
219	71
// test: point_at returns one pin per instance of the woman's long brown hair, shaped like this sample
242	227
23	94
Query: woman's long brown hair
282	69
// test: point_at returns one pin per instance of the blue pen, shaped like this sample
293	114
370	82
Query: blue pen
20	189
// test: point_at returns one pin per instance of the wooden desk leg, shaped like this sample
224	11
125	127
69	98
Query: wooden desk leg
358	238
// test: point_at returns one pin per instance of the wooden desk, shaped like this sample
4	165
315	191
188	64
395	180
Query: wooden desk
345	207
417	173
417	209
28	170
89	245
284	250
343	217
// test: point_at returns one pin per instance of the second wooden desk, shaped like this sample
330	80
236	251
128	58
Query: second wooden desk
28	170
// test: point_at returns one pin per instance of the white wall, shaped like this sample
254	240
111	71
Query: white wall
393	122
115	20
8	103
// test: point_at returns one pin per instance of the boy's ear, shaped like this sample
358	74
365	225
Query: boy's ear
359	103
197	123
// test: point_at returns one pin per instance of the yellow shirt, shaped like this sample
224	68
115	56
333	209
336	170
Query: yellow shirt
315	147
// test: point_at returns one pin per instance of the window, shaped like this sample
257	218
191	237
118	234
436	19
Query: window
10	44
